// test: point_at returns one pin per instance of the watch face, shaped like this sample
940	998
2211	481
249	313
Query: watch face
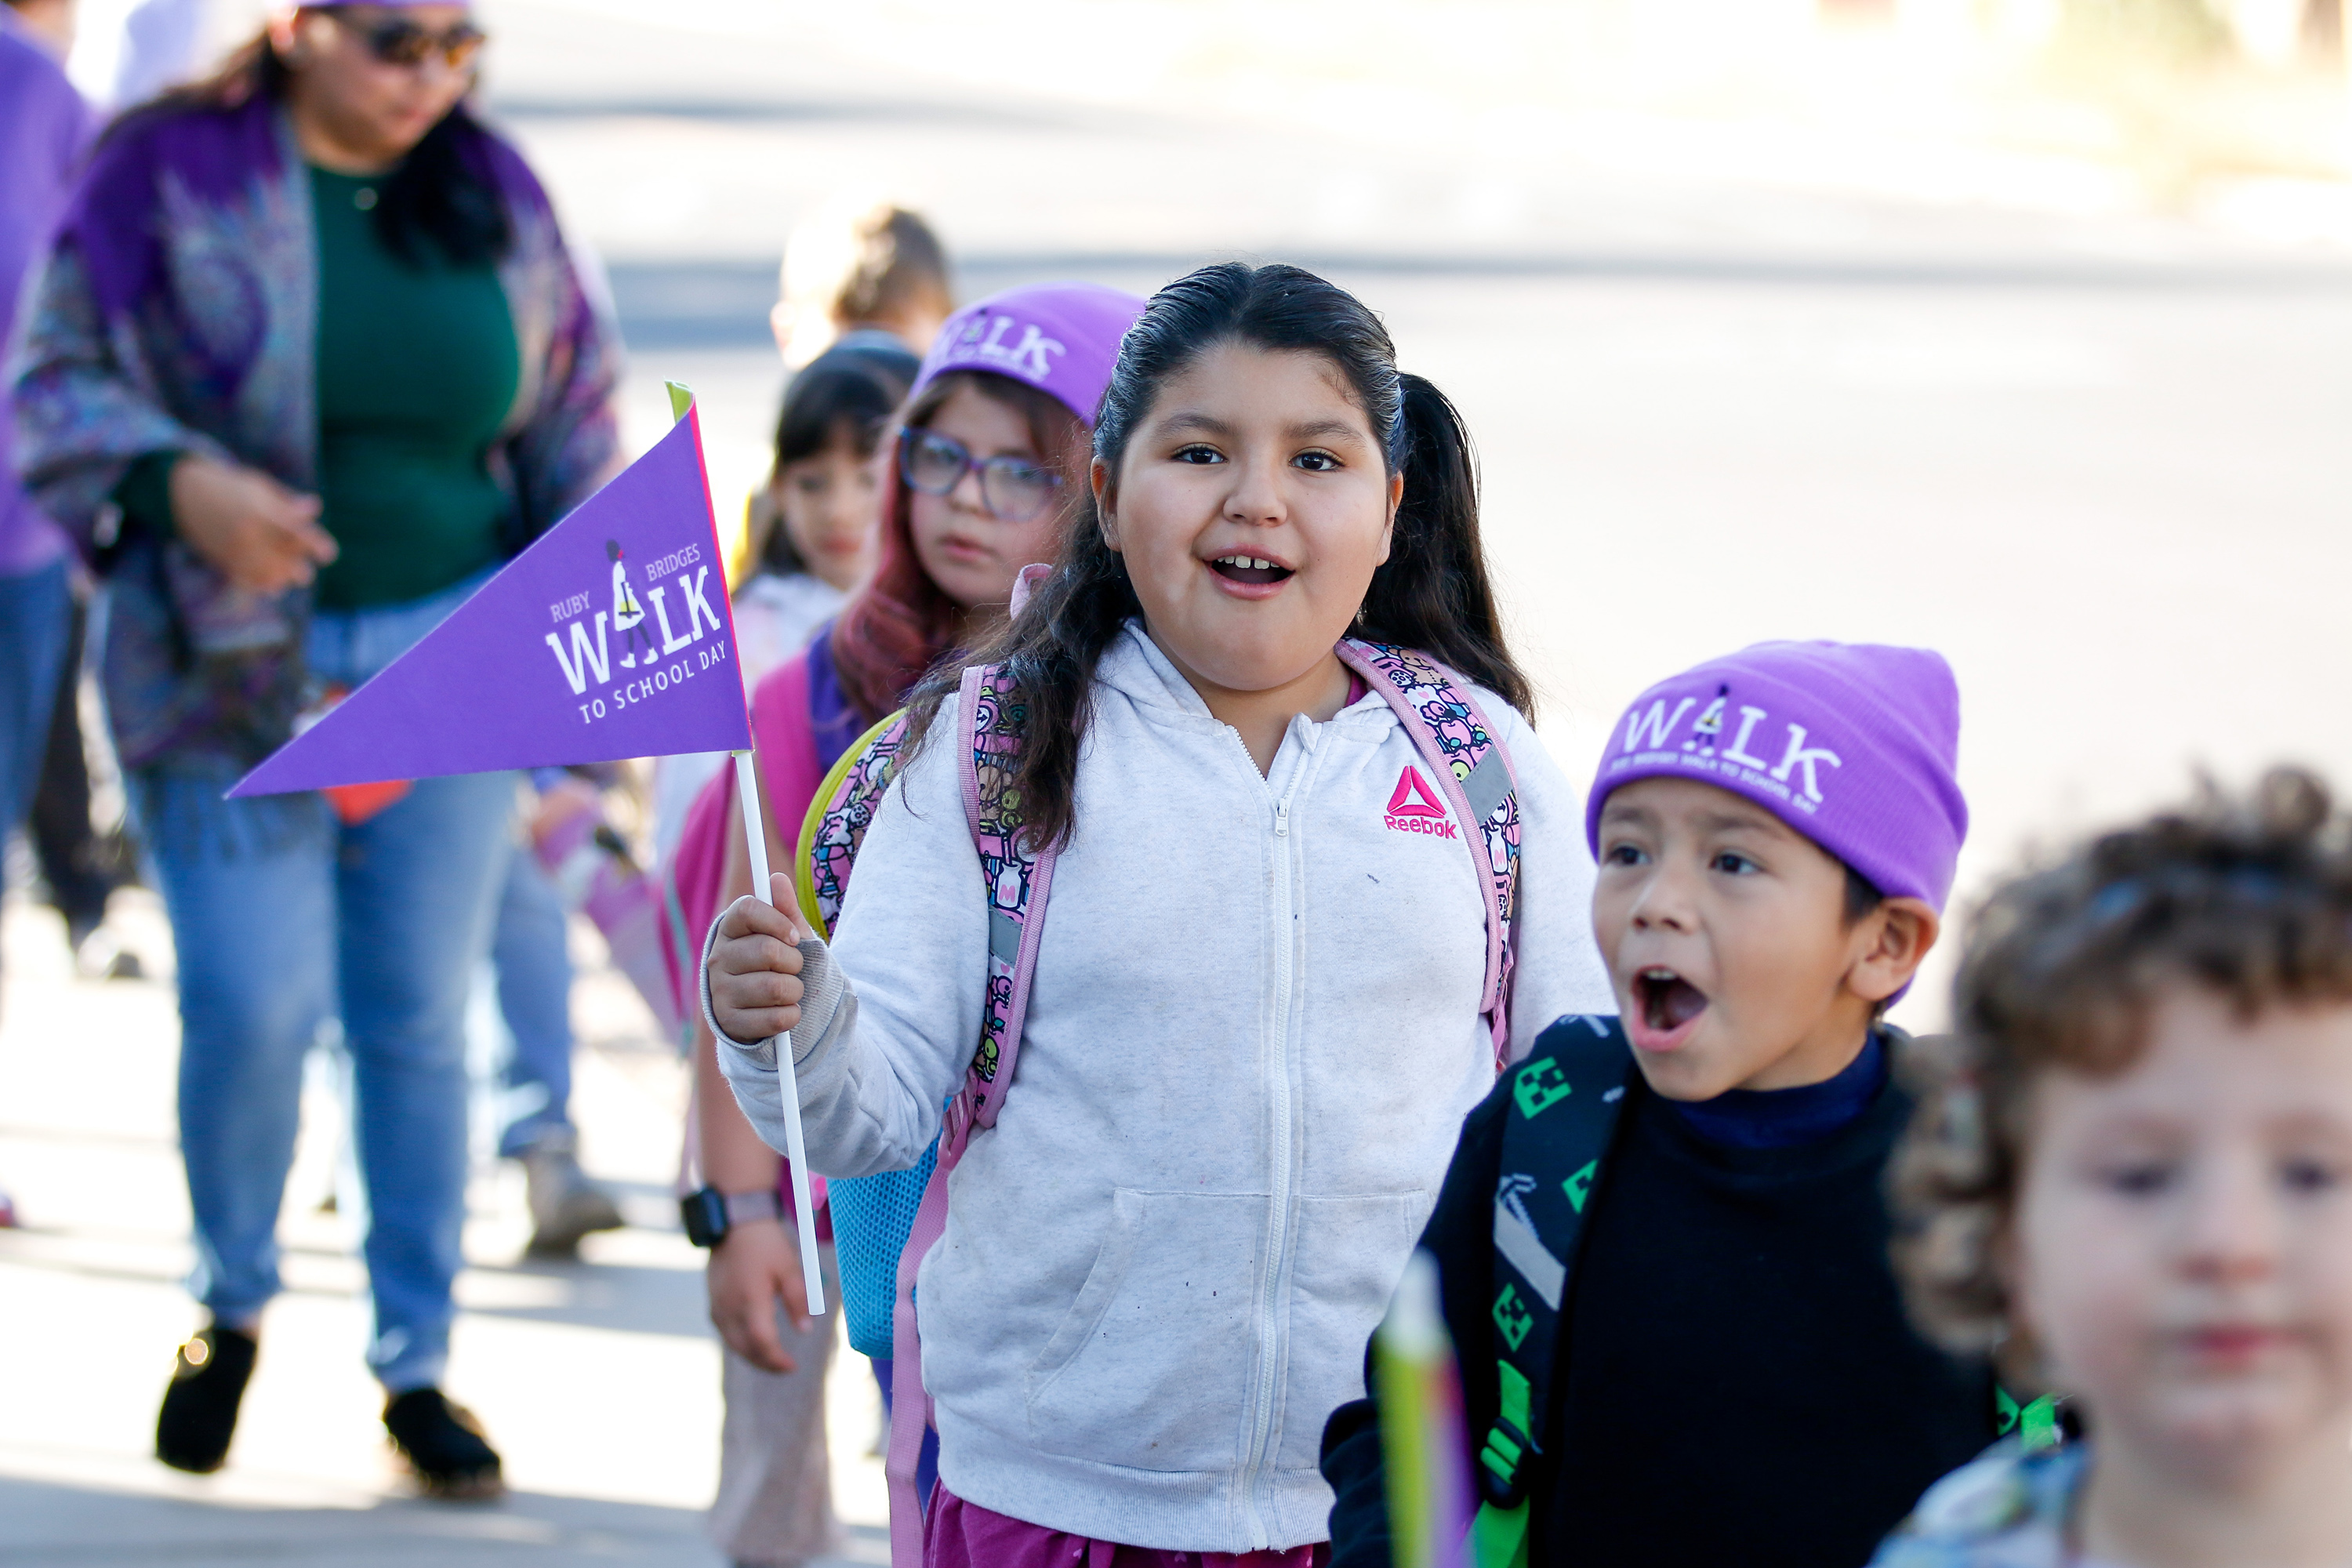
704	1213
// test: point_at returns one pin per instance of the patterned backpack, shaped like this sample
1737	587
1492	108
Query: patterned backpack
885	1225
1566	1102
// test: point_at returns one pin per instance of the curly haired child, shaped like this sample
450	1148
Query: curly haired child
2135	1182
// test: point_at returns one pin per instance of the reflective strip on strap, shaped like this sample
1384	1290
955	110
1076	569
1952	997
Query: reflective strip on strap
1489	783
1518	1242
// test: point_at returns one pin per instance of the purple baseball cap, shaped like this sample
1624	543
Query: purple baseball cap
1856	745
1061	337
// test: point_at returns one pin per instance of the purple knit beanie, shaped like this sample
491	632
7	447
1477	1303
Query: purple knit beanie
1856	745
1061	338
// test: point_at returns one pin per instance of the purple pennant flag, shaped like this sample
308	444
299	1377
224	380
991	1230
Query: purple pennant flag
610	637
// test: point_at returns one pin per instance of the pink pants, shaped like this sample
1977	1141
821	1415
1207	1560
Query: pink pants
959	1534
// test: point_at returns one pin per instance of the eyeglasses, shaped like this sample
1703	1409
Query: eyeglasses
396	41
1013	490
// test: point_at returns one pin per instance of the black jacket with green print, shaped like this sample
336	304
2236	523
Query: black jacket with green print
1736	1384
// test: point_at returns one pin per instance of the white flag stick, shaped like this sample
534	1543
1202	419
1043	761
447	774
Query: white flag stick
747	791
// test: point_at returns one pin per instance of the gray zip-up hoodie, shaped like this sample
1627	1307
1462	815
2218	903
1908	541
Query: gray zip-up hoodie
1252	1040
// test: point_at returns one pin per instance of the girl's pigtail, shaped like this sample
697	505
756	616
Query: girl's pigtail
1434	592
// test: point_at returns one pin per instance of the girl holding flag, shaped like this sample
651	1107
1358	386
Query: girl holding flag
309	330
990	448
1260	1008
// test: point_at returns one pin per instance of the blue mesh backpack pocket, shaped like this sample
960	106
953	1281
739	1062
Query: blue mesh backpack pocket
871	1218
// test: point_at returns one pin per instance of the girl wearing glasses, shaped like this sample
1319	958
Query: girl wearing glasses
991	447
308	361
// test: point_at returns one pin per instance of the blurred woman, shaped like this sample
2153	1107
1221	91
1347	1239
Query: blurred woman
308	362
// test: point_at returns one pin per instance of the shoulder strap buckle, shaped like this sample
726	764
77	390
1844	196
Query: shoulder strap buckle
1503	1461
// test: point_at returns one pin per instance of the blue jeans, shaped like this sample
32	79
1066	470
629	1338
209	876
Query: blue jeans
282	918
534	968
36	621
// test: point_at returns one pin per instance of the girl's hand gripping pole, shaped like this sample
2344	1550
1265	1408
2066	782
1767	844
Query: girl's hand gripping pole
755	837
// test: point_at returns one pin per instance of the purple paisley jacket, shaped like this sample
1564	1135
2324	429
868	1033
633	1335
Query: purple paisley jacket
178	310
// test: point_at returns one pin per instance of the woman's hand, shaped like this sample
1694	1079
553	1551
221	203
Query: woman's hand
263	537
559	804
755	965
753	1267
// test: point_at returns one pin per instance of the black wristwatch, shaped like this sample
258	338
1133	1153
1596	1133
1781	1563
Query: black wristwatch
710	1214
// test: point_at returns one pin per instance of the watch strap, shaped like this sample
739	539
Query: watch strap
744	1207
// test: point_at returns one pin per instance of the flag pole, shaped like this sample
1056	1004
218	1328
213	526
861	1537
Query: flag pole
755	838
1420	1392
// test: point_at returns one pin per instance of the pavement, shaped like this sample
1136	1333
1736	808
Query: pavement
598	1380
1730	379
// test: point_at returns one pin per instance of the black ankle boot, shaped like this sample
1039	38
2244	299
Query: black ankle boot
443	1444
199	1414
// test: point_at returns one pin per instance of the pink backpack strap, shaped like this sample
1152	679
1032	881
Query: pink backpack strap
1474	770
1018	877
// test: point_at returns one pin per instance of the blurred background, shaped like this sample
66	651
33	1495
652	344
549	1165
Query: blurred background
2019	328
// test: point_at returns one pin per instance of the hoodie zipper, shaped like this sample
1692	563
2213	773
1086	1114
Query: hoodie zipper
1286	986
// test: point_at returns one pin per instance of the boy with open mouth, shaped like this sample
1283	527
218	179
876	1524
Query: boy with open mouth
1662	1245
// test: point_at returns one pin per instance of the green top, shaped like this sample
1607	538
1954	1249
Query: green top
416	371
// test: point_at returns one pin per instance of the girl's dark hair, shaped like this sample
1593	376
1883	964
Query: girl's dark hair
1431	594
442	192
845	393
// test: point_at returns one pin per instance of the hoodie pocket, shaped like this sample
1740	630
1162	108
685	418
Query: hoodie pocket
1150	1366
1351	1252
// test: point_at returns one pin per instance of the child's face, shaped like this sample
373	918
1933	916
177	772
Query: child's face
1726	937
1252	505
829	503
2182	1247
970	552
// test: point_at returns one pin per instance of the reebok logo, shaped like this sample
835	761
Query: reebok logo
1414	808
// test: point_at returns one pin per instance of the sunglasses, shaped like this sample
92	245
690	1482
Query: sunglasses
396	41
1013	490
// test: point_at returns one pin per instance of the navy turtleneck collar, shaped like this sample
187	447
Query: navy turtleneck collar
1783	1117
